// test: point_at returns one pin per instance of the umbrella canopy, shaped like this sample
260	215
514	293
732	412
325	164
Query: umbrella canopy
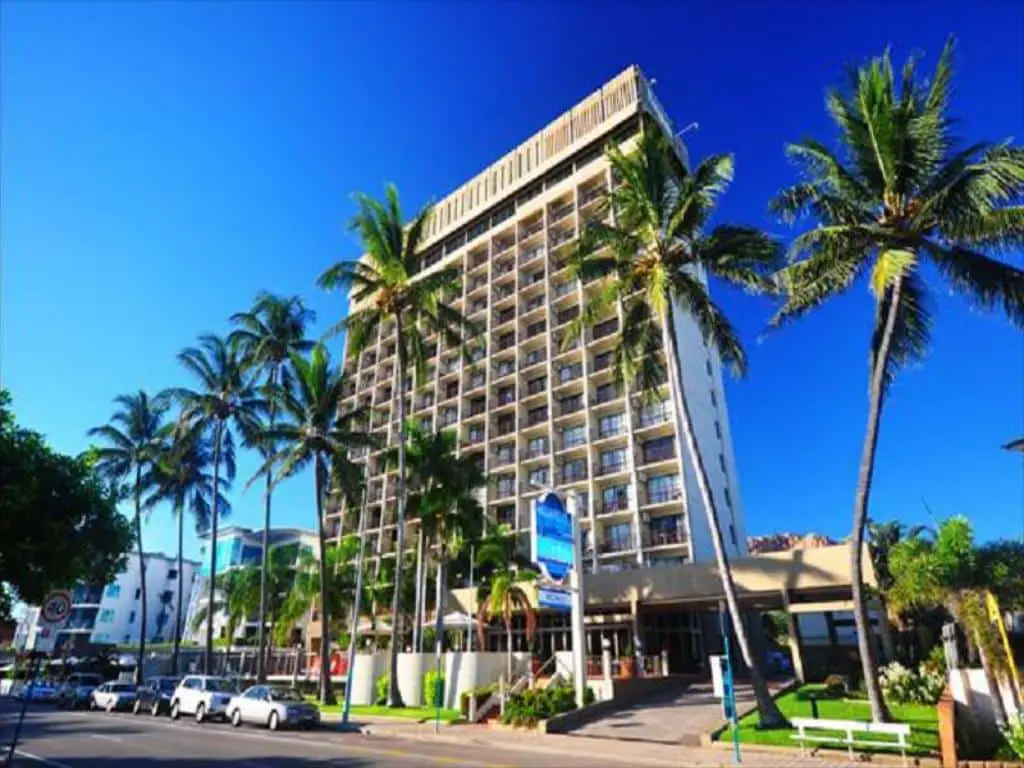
455	620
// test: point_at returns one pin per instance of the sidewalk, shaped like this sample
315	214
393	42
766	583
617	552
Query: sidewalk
609	751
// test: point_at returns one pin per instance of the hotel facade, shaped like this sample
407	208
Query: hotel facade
536	414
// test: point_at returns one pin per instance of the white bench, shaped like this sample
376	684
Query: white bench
853	729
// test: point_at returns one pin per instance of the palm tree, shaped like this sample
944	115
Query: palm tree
183	479
385	287
225	400
314	431
651	260
239	599
133	439
268	334
446	502
903	190
503	574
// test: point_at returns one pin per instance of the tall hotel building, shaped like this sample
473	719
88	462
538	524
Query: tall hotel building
535	416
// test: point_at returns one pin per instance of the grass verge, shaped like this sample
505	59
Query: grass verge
399	713
922	719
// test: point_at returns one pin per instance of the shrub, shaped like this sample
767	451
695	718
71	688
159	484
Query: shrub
380	690
835	686
936	662
433	688
481	695
905	686
527	708
1014	735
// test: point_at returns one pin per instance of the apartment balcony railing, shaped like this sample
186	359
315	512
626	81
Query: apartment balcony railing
476	355
618	504
537	356
652	455
505	429
475	382
452	366
527	256
590	195
563	289
619	429
664	495
532	304
502	460
532	279
606	328
477	282
610	468
505	398
574	474
648	418
562	237
504	490
503	268
568	316
448	420
505	316
506	343
536	387
500	246
618	544
573	442
602	363
570	373
531	229
504	369
660	538
503	292
573	406
537	418
86	596
606	396
477	307
536	330
557	214
536	453
475	437
477	410
478	262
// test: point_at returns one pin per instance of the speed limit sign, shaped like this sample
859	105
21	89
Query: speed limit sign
56	607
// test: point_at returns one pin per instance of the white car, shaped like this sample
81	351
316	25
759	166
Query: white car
272	707
38	690
202	696
111	696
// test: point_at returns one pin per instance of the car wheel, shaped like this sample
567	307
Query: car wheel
200	712
274	722
136	707
92	704
155	709
175	710
110	705
236	718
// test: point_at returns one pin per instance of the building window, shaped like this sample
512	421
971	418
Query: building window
615	497
728	498
131	617
539	476
618	537
732	535
537	446
172	573
707	364
507	514
573	436
113	590
613	460
721	461
574	470
714	398
718	430
506	485
659	449
611	425
663	488
138	593
106	615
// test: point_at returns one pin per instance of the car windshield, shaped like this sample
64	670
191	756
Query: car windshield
283	694
167	686
122	688
219	685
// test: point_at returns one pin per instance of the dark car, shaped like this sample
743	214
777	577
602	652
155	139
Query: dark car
155	696
77	689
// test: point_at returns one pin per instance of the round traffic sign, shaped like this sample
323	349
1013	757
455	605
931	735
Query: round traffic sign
56	606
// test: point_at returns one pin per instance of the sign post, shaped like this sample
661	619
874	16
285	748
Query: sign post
728	687
557	549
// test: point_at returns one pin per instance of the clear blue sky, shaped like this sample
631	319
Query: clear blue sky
164	162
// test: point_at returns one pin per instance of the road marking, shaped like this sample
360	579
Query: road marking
38	759
104	737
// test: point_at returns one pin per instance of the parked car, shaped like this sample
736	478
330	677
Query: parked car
112	695
42	690
77	689
155	695
272	707
202	696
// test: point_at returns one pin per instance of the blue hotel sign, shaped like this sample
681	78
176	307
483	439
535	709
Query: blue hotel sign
552	537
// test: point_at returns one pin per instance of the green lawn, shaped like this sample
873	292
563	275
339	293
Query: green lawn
403	713
924	734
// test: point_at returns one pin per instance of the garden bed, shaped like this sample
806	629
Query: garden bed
922	719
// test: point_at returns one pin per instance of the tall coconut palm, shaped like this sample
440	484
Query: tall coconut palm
650	260
182	478
903	190
224	401
268	334
132	446
446	502
313	431
386	288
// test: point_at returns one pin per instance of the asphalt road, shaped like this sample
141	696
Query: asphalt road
79	739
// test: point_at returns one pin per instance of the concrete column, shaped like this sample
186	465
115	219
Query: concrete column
634	610
795	643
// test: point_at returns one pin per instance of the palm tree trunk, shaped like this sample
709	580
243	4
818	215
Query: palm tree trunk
770	716
356	609
394	694
326	694
181	590
139	676
419	609
438	623
261	669
214	514
508	650
865	646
